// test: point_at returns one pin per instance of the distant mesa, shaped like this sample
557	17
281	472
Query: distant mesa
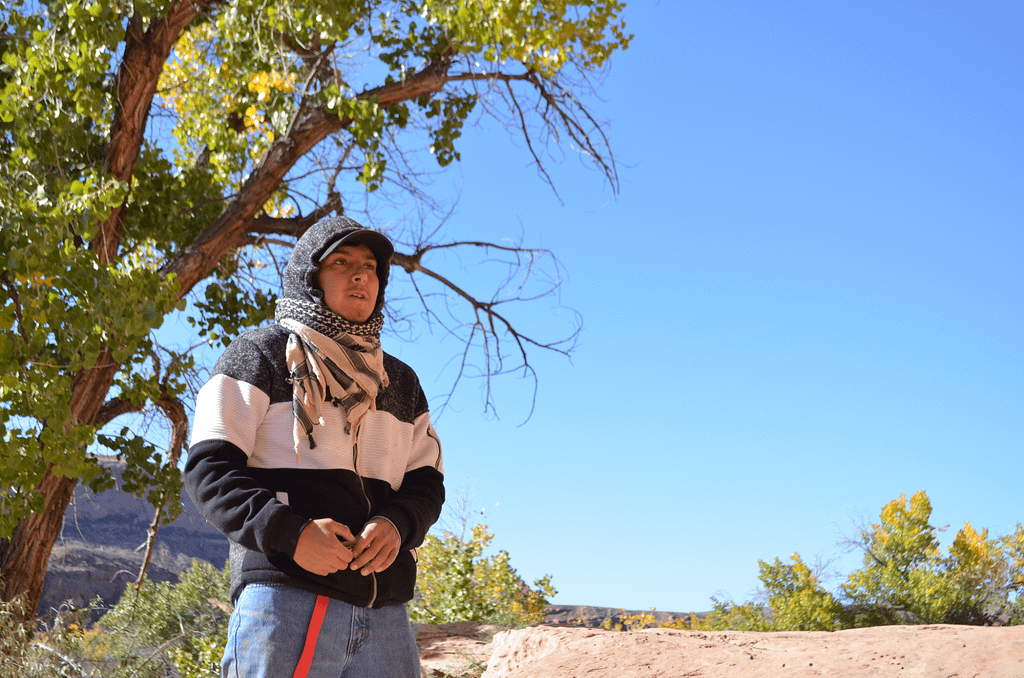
102	545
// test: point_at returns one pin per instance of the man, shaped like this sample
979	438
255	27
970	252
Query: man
313	451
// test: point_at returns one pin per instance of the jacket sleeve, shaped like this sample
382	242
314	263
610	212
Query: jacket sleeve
217	479
229	410
416	506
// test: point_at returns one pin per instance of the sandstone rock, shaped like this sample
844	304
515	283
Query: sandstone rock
938	651
454	650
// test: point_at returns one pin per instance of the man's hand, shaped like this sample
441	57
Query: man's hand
324	547
376	548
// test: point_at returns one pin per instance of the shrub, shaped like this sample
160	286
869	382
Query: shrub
456	583
905	578
796	599
183	624
727	615
58	646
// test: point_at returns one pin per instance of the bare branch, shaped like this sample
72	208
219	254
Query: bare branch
560	110
487	326
529	143
175	412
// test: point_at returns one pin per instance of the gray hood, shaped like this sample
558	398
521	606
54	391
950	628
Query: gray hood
322	238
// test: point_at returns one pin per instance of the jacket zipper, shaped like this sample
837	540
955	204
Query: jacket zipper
369	508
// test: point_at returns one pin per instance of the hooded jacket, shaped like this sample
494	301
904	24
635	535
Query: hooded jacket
245	477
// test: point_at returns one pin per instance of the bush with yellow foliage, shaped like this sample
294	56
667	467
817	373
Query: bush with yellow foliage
456	583
906	578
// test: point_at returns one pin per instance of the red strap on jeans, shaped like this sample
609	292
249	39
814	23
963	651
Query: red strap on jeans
306	660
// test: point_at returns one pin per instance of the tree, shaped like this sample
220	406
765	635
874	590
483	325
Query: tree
796	598
1013	549
456	583
897	572
905	577
792	599
160	156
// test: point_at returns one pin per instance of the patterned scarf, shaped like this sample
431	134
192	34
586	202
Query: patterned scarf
330	359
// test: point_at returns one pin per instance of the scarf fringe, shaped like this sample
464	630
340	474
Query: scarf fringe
322	367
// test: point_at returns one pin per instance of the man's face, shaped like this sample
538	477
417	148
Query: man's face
348	277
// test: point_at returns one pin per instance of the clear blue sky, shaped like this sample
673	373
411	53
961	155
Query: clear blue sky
807	299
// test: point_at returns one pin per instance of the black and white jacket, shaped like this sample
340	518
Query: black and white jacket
245	477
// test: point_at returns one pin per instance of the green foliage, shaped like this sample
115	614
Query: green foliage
973	580
188	619
898	573
171	629
227	309
1013	550
543	35
905	578
795	602
205	660
452	113
456	583
63	309
63	304
727	615
796	599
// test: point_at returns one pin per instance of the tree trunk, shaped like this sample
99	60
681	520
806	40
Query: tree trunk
24	557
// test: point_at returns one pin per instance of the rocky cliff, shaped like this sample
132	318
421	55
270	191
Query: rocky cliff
102	544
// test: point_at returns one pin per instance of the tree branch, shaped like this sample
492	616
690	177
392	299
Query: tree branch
12	292
175	412
197	260
488	324
140	69
114	408
268	225
570	116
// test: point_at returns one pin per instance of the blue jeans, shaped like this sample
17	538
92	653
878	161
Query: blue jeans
268	633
